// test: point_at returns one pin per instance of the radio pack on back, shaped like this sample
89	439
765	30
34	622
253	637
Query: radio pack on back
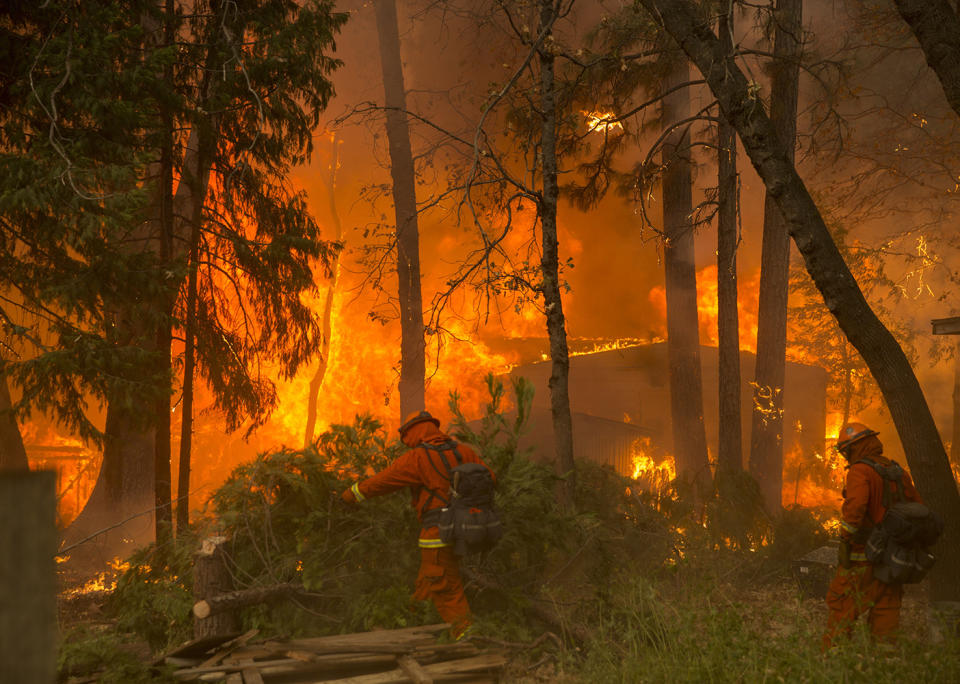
469	521
899	546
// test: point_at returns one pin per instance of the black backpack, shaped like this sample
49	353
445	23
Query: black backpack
468	521
899	546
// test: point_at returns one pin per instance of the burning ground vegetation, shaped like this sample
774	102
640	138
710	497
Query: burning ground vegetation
633	582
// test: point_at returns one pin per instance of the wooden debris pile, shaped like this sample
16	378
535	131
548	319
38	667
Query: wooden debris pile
379	657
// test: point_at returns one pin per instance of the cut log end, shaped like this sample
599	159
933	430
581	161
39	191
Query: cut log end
201	610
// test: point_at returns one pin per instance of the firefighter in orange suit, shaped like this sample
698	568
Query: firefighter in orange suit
421	470
854	590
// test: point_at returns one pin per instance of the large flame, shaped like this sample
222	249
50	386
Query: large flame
653	474
708	307
815	480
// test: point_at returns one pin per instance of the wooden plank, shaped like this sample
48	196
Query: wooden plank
383	641
251	675
28	577
277	665
235	678
230	647
189	672
414	670
493	661
197	648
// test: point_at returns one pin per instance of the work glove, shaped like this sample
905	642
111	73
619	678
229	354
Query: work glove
843	554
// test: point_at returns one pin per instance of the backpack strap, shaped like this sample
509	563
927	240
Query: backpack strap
441	450
890	473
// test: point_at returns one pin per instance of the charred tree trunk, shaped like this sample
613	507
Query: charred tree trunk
730	439
936	26
847	387
550	268
163	491
189	363
190	199
412	361
125	490
162	483
317	380
841	294
683	334
13	455
955	436
766	433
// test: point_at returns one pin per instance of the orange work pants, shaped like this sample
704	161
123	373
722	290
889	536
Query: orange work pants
854	591
439	581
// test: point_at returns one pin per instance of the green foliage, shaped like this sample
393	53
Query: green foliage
84	651
154	596
548	552
104	115
285	521
651	633
664	598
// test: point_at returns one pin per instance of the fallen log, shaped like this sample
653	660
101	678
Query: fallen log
232	600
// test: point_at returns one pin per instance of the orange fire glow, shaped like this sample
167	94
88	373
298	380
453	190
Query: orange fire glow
75	465
815	480
103	582
603	122
708	310
653	475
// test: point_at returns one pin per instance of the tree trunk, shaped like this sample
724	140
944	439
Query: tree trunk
766	434
317	380
132	456
841	294
211	577
730	439
955	435
550	268
124	492
847	387
163	488
162	483
936	26
412	362
13	456
683	334
186	407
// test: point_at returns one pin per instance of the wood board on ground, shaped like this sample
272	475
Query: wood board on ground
387	656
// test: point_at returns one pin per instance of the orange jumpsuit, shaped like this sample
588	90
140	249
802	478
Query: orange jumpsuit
422	470
853	590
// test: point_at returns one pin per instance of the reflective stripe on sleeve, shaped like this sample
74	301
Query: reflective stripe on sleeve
432	544
356	491
858	556
848	527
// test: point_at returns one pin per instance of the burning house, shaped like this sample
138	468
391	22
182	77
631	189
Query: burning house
622	395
